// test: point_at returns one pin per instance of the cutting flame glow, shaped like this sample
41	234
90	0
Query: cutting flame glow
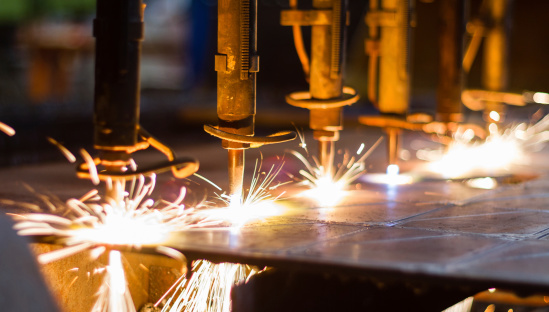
499	152
328	190
92	223
88	223
256	203
391	178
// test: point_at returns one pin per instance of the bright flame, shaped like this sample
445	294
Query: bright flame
326	192
494	116
541	98
393	170
485	183
392	177
90	222
501	150
329	190
209	287
256	203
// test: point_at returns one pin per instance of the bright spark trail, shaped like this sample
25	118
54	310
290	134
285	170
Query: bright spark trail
209	287
90	223
114	294
329	188
97	225
256	203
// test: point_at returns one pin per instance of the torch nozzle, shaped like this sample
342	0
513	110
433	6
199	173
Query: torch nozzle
393	145
326	156
236	173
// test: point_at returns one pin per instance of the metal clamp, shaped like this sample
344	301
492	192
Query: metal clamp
180	167
304	99
253	141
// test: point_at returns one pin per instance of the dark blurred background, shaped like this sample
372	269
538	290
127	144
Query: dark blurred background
47	68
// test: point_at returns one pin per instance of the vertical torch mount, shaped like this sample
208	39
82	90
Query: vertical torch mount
326	96
119	31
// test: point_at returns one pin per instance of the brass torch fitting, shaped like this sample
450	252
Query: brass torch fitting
327	95
236	64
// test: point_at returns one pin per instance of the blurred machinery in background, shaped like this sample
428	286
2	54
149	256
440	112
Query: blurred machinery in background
389	46
390	24
493	25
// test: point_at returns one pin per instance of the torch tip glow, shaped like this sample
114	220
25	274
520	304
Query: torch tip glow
393	170
541	98
328	189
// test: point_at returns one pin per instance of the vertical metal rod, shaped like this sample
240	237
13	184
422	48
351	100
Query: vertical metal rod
393	145
236	64
116	191
394	62
496	50
451	30
326	156
118	31
236	171
323	84
326	81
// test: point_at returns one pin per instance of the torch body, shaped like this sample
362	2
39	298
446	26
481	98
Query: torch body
450	74
496	53
236	65
118	29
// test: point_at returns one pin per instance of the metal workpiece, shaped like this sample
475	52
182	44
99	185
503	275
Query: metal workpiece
432	232
390	24
451	24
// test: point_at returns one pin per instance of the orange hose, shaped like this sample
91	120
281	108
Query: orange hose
299	45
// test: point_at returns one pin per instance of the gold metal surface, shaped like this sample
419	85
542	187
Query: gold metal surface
237	64
393	144
326	95
236	171
496	54
388	50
